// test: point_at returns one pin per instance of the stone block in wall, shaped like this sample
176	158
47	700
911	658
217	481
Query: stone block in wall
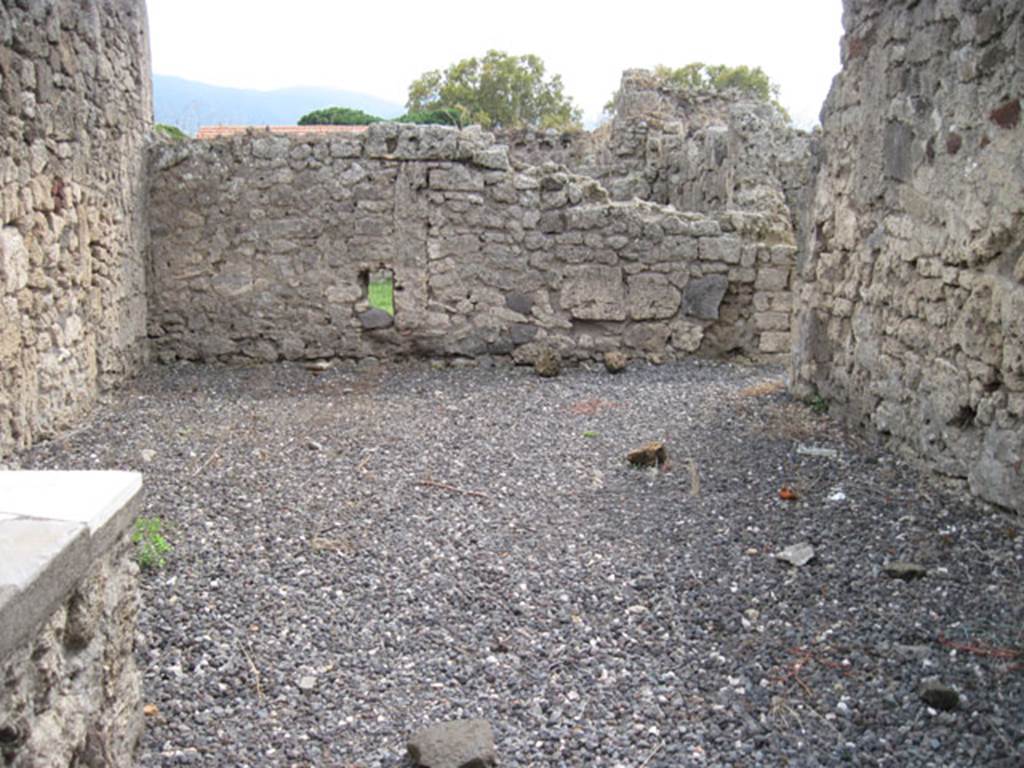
593	292
996	473
687	335
772	321
270	147
772	279
396	141
651	297
774	342
457	178
14	260
724	249
519	302
651	338
703	296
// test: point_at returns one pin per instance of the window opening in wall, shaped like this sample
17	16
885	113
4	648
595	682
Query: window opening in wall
380	291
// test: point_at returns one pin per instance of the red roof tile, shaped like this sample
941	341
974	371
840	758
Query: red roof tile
219	131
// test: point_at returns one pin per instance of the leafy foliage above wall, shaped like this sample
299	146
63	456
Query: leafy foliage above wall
172	132
497	91
338	116
447	116
716	78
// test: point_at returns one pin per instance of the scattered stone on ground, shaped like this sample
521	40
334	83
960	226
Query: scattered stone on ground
548	363
455	744
938	695
899	569
652	454
147	454
817	451
797	555
615	361
307	682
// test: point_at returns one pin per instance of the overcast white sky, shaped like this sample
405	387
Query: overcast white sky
378	48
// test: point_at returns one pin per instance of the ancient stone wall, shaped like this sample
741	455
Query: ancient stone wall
911	314
75	108
263	248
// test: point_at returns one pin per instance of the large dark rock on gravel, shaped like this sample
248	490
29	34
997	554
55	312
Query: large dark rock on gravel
651	455
939	696
455	744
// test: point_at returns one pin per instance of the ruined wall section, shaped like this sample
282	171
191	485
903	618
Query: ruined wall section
75	109
263	247
695	151
912	305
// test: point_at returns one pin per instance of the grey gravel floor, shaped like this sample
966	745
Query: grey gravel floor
363	552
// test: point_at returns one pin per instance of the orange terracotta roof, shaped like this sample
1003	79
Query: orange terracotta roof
219	131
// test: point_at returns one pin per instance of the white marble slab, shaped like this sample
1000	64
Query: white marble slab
85	497
53	525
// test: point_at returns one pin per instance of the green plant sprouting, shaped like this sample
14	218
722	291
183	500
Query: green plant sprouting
151	546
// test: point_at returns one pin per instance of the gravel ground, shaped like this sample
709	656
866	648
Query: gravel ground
363	552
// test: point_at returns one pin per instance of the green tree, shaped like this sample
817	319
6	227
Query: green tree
717	78
338	116
448	116
497	91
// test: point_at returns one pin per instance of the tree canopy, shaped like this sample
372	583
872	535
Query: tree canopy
751	81
338	116
717	78
497	91
346	116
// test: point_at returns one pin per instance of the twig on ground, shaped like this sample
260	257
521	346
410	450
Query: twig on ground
255	672
694	479
980	649
213	455
361	466
453	488
650	757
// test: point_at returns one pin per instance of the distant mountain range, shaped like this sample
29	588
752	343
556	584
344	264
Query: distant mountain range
189	104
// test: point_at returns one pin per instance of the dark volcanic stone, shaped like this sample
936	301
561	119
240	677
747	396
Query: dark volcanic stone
939	696
651	455
702	297
519	302
374	319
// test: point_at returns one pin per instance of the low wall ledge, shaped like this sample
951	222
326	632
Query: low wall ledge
53	526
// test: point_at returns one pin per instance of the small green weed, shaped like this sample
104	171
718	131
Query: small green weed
816	403
172	132
151	546
590	433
